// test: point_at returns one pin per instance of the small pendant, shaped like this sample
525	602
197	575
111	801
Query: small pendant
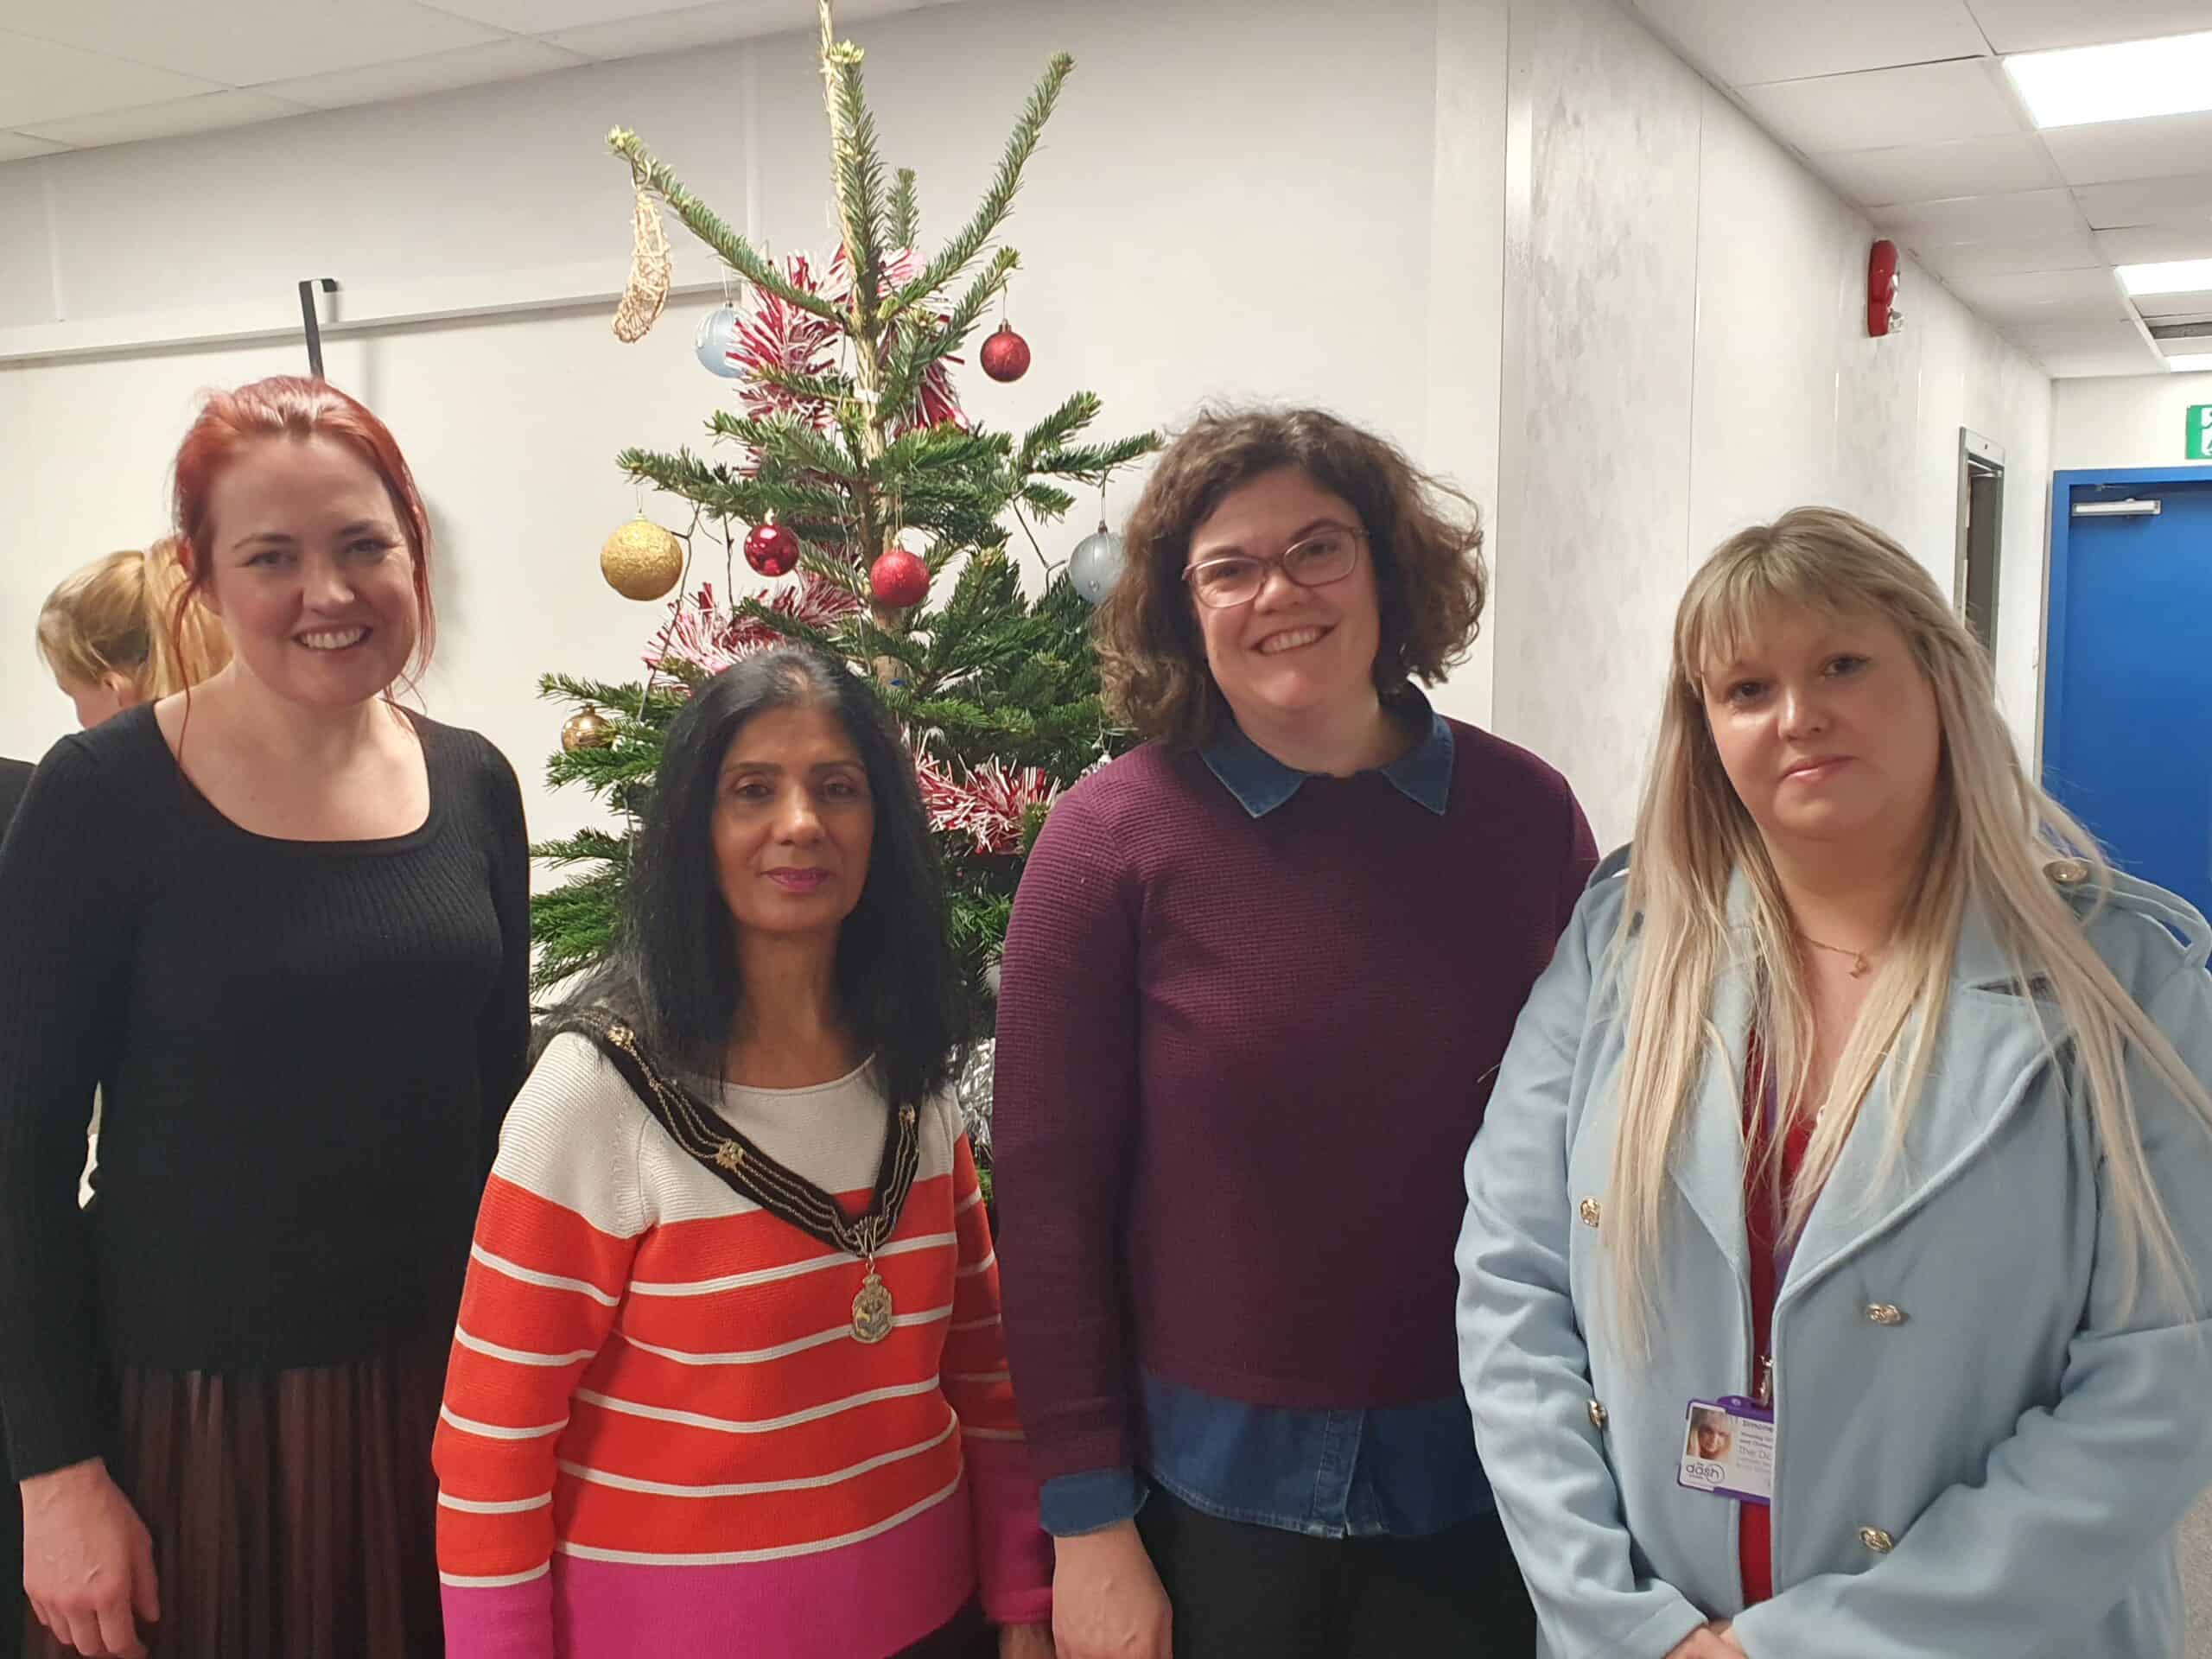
1858	966
871	1310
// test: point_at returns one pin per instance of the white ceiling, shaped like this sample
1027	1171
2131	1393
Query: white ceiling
1902	106
79	74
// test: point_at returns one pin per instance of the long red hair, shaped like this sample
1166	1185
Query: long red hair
290	406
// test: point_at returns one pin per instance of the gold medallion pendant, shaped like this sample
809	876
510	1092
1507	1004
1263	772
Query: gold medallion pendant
871	1310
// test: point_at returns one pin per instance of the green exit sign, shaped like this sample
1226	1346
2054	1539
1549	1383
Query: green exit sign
2200	432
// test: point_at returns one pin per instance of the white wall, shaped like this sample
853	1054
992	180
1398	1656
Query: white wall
1287	212
2130	421
1687	355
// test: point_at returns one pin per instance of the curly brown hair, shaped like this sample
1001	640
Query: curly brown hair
1425	535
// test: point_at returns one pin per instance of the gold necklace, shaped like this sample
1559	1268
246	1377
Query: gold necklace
1860	962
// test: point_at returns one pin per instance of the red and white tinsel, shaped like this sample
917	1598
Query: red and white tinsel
988	806
775	335
707	637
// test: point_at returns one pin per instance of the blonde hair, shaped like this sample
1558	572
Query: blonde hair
128	615
1994	831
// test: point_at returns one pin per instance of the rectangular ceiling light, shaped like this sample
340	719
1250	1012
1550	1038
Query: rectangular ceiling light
2123	82
2167	276
2201	363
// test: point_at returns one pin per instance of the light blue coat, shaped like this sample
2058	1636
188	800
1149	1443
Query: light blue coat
1981	1452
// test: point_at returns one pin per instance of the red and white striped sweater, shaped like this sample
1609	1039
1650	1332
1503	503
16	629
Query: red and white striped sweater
659	1430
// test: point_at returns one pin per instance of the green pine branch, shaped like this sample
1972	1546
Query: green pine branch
998	202
1093	463
734	251
923	346
788	440
860	199
905	212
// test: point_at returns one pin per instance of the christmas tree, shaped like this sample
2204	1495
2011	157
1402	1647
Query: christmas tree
853	475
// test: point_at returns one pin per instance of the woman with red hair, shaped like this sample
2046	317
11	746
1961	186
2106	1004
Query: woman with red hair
282	924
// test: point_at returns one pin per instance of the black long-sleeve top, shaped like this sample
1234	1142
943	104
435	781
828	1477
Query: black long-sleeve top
303	1048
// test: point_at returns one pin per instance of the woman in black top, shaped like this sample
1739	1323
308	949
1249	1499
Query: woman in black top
282	924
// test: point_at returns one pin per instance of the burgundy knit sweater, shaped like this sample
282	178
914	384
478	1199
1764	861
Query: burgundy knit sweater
1240	1061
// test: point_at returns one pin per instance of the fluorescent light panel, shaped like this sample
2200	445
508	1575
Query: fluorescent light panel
2167	276
2127	81
2201	363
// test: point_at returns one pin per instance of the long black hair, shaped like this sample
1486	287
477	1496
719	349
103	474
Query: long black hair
673	973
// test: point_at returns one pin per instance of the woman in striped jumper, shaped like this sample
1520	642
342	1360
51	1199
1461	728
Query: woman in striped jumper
728	1376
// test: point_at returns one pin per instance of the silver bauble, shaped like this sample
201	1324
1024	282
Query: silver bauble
1096	564
717	333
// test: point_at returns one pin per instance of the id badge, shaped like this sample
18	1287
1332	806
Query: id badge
1728	1450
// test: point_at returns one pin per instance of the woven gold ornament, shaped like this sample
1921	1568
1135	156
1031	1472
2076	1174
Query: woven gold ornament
587	729
649	274
641	560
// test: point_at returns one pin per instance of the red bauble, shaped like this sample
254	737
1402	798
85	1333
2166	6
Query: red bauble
772	549
1006	354
899	579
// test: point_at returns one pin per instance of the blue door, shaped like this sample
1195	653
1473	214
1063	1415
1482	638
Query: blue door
2127	697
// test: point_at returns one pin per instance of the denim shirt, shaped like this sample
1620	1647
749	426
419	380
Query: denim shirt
1400	1471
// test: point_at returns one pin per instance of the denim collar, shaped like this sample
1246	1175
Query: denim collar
1261	783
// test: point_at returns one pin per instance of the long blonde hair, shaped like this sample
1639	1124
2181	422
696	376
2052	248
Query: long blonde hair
1994	831
127	614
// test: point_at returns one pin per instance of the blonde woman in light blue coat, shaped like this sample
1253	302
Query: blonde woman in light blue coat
1863	993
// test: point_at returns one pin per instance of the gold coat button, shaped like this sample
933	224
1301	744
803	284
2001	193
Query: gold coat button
1875	1540
2069	872
1884	1313
1589	1213
1599	1415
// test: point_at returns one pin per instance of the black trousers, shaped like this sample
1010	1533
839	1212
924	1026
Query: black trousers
1244	1592
966	1638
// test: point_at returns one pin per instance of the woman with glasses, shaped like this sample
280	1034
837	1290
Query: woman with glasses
1258	974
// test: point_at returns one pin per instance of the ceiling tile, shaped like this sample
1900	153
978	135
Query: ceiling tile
17	146
202	114
2037	25
258	40
2095	364
41	81
679	31
544	16
2044	297
2113	150
2028	215
1924	103
1996	258
2170	305
1969	167
2147	201
471	66
1743	42
2153	245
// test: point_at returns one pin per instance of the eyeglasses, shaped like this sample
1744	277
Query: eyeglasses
1326	555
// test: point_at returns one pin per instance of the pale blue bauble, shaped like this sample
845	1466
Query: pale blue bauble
717	333
1096	564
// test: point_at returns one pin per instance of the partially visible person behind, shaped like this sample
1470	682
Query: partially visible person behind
1864	1111
14	779
104	634
728	1376
280	925
113	635
1259	973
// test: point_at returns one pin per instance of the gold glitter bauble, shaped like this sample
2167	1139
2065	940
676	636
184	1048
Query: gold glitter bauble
641	560
587	729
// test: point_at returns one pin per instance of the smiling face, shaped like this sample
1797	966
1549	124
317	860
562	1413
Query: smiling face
1828	729
794	821
1289	650
311	572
